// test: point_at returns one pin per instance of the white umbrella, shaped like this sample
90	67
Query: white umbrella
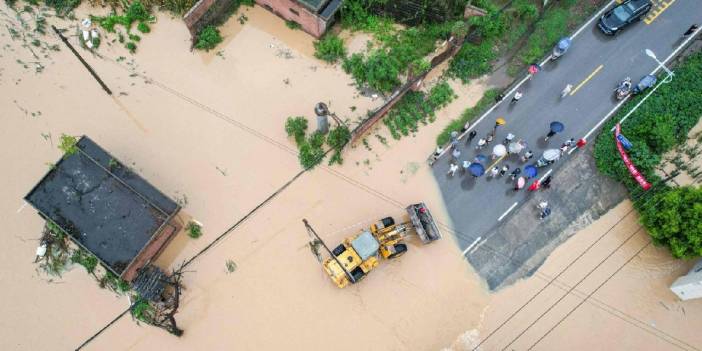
499	150
515	148
552	154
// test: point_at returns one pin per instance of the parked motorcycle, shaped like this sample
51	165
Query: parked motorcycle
646	82
623	89
561	48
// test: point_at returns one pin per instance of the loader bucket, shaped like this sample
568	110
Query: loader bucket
423	223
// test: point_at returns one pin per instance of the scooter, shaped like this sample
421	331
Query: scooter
623	89
561	48
646	82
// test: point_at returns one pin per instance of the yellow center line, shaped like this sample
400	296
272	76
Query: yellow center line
598	69
496	162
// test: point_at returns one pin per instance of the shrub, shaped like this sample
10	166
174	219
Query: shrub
548	30
208	38
194	229
472	61
676	220
415	108
143	27
85	259
293	25
131	47
337	139
296	127
310	155
330	48
68	144
62	7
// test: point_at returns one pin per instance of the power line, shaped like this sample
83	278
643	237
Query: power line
554	278
589	295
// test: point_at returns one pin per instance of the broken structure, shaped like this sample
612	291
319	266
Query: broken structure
313	16
106	209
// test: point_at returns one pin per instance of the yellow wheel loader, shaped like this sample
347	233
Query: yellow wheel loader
357	255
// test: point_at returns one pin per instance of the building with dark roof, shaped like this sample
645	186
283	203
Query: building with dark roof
314	16
106	208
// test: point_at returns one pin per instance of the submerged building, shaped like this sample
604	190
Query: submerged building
106	209
313	16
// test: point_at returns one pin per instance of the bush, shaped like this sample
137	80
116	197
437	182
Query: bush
131	47
143	27
675	220
379	71
337	139
68	144
472	61
62	7
208	38
85	259
468	115
330	48
552	27
293	25
296	127
310	154
194	229
415	108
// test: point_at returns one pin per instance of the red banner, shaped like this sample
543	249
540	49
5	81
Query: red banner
629	165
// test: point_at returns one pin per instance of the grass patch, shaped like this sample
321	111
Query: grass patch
292	25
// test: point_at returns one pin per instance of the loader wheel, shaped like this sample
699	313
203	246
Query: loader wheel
387	221
339	250
400	249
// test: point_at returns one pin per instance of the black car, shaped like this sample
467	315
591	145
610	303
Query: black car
623	14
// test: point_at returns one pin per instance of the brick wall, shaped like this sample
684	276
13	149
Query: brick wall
292	11
206	12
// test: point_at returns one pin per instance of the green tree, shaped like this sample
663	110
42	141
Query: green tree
296	128
675	220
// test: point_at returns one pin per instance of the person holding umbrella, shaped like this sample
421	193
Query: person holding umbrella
515	173
476	169
554	127
519	183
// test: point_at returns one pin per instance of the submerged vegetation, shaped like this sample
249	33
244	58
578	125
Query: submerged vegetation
194	229
135	12
310	149
330	48
208	38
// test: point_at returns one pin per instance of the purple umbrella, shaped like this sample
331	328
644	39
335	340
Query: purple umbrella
530	171
476	169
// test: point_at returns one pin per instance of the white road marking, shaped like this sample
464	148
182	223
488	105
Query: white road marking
471	245
544	176
22	207
511	91
478	246
508	211
606	117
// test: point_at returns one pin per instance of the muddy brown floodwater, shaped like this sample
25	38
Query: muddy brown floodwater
207	129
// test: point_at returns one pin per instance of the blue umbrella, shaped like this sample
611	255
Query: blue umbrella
476	169
556	127
530	171
480	158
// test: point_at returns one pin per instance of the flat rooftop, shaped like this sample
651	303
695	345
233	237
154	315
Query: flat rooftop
104	206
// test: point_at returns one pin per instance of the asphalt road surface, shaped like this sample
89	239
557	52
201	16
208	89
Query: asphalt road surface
594	65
